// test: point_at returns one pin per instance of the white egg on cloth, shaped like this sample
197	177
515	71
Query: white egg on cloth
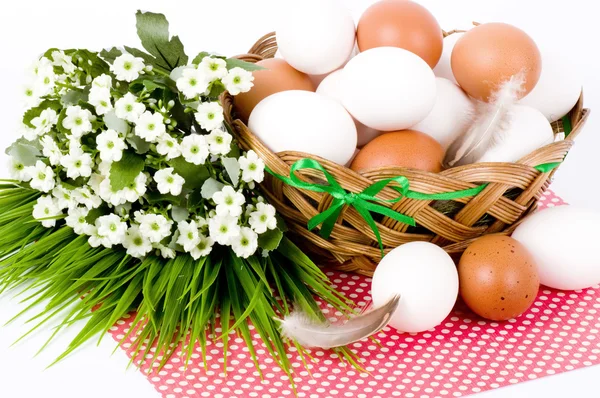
388	88
426	279
451	115
331	87
564	242
315	36
304	121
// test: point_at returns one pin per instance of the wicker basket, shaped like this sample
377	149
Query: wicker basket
512	194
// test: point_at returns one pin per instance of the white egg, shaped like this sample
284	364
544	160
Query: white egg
444	67
451	115
564	242
306	122
317	79
315	36
527	131
559	87
426	279
331	87
388	88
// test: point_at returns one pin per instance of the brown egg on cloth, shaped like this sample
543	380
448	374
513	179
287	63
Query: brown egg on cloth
278	76
406	148
404	24
490	54
498	278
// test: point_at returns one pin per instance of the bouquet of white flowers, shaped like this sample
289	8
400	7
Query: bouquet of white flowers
130	193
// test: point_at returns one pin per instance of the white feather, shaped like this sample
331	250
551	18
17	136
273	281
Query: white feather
492	118
308	332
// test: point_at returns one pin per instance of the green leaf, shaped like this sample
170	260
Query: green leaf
90	62
94	214
215	89
204	54
232	167
35	112
124	172
113	122
24	152
157	197
270	240
111	55
210	187
193	175
140	145
153	30
73	97
238	63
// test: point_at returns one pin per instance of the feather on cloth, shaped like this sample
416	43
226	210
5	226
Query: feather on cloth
310	333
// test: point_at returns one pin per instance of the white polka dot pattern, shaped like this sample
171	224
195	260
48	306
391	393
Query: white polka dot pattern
462	356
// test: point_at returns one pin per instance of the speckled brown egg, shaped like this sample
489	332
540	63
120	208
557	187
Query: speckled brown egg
277	76
404	24
406	148
498	278
490	54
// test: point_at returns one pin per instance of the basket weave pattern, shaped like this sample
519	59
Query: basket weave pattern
353	245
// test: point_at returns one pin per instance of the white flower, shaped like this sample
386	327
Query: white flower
84	196
137	189
128	108
127	67
77	163
168	146
96	239
108	195
42	177
45	121
64	198
189	237
155	227
201	221
32	99
42	66
194	149
136	243
123	210
229	201
238	81
104	168
27	132
102	81
210	115
110	145
219	142
44	208
45	82
18	171
213	68
78	120
100	98
165	251
150	126
253	168
263	218
223	229
51	150
246	243
77	219
168	181
66	61
112	228
193	82
203	248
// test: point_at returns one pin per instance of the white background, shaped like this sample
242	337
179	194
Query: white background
230	27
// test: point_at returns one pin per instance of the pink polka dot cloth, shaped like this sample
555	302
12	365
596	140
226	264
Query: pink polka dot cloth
462	356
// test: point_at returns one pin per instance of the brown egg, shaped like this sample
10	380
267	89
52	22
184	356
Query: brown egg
490	54
498	277
278	76
404	24
407	148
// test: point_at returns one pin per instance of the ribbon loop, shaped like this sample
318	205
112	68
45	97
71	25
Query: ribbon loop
367	202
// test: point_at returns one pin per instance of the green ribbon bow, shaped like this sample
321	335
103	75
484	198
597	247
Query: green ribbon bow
367	202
